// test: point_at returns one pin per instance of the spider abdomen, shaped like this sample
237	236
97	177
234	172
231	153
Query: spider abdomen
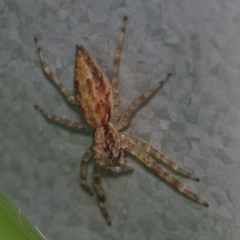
93	91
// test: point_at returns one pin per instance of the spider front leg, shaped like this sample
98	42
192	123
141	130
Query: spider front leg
100	193
152	151
151	163
61	120
47	70
116	110
83	170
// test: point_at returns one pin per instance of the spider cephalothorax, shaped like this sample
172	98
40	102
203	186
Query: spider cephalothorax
99	103
106	145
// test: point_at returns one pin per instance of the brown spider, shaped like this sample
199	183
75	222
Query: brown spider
99	103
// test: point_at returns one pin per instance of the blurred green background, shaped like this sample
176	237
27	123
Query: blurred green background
13	224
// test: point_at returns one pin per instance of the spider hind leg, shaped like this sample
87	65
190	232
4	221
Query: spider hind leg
48	71
116	111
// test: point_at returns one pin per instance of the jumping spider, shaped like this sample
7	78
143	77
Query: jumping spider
99	102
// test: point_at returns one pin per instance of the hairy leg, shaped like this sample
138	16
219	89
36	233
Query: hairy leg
47	70
61	120
122	162
83	170
116	110
152	151
100	193
146	159
137	102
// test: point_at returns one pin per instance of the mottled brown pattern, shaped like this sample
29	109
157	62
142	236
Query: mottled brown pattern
106	146
99	103
93	92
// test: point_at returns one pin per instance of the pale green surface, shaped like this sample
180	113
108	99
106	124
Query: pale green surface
194	119
13	223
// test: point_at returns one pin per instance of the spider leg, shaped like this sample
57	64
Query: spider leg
116	110
83	170
138	101
146	159
47	70
113	168
100	193
61	120
154	152
122	162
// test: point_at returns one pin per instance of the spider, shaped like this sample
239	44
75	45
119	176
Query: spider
98	101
